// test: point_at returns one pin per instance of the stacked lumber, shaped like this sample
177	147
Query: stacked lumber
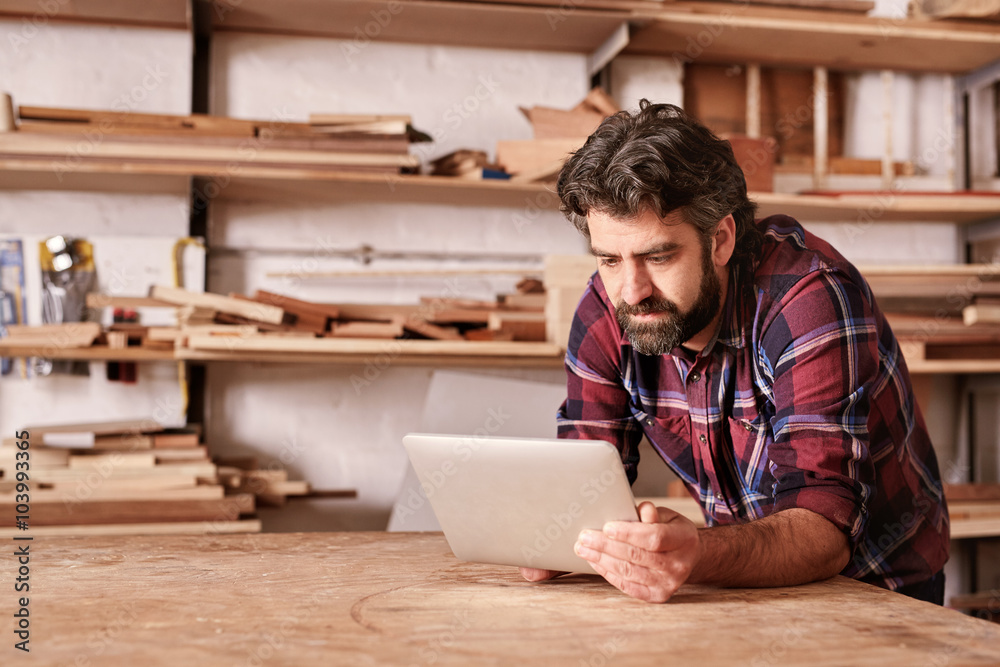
566	278
955	9
207	144
268	321
557	133
466	163
941	312
133	476
974	509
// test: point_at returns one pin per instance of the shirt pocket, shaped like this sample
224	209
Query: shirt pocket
750	435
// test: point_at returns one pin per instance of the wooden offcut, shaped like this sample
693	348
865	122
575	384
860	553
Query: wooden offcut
248	309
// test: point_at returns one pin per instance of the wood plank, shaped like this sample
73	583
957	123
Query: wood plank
972	492
517	156
172	14
185	454
376	347
248	309
119	460
117	530
58	147
136	511
805	38
117	493
118	484
176	438
433	331
173	471
523	326
981	314
128	426
390	330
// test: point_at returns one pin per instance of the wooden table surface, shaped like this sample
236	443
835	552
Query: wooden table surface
403	599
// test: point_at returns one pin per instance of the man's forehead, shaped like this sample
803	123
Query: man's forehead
672	226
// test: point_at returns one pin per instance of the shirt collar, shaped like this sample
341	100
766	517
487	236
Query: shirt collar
731	331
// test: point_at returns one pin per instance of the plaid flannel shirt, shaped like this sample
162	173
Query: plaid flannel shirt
802	399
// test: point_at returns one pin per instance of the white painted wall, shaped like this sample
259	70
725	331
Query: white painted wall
96	67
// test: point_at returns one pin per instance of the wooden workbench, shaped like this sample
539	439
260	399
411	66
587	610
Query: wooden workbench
403	599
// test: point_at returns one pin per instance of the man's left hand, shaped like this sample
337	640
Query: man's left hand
648	559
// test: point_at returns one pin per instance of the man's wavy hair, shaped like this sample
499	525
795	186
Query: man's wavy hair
663	160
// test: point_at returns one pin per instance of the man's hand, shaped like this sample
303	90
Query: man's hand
648	559
534	574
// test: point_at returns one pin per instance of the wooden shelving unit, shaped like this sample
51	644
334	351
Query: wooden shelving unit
336	351
721	32
252	183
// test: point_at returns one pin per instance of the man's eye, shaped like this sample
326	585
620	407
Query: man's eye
658	259
610	262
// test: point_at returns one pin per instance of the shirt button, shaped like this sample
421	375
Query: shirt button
695	376
703	438
748	426
718	497
649	422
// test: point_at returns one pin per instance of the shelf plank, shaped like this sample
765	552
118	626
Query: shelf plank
694	30
576	28
149	13
866	209
266	184
724	33
341	351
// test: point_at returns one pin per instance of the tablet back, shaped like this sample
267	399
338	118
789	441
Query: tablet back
520	501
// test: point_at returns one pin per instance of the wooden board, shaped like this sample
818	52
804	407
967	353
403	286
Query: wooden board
399	598
117	530
250	310
99	428
517	156
60	513
58	147
362	346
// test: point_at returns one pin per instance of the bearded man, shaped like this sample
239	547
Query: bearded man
755	359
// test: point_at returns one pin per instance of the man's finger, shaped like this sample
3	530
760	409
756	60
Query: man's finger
534	574
631	588
592	544
652	536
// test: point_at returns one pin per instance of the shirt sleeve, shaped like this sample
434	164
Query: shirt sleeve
822	352
597	407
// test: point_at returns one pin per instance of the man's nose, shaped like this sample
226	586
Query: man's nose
636	286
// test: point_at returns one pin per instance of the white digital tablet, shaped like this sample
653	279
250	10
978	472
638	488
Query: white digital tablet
520	501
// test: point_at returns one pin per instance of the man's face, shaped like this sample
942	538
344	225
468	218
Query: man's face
661	278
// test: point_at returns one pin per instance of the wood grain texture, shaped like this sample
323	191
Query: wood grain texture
399	599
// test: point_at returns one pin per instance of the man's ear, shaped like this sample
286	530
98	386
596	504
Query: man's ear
724	242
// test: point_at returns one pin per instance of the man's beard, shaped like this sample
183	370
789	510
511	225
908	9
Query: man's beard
673	327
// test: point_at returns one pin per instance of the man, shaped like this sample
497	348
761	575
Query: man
755	359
